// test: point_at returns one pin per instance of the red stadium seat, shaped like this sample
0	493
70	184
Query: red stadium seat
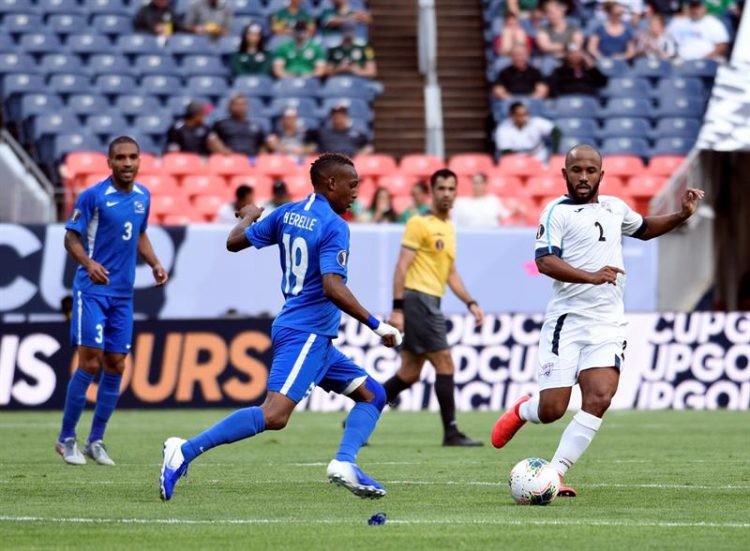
504	186
520	165
149	164
539	187
162	205
229	165
398	184
181	219
400	204
374	165
664	165
555	163
82	163
260	183
276	165
93	179
524	211
299	186
182	164
611	185
366	190
160	184
205	185
468	164
208	205
641	189
623	165
421	166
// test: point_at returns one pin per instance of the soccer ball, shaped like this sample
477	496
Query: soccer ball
534	482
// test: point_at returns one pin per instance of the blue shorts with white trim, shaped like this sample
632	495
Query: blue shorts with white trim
302	361
102	322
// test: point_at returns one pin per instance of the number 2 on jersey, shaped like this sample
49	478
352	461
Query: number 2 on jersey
295	255
601	231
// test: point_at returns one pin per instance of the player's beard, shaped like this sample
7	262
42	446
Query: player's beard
573	194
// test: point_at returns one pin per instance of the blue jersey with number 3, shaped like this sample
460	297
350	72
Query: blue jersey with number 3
110	222
313	240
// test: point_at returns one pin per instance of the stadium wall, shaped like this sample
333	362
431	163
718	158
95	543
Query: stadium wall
681	361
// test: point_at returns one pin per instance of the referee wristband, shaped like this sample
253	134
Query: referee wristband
471	303
398	304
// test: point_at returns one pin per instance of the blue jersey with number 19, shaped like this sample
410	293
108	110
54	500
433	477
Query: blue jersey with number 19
313	240
110	222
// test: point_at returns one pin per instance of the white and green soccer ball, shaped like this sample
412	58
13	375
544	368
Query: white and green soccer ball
534	481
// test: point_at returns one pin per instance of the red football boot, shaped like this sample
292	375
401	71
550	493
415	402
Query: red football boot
508	424
566	491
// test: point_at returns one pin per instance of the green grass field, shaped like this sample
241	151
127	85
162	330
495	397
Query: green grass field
650	480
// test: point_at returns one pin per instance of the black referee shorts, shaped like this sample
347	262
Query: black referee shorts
424	323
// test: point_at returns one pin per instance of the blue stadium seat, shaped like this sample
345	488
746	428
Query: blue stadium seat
161	85
106	124
676	127
177	104
21	23
576	126
673	87
625	146
146	143
154	124
546	64
306	107
65	24
88	44
21	83
703	68
113	25
17	6
645	67
297	87
133	105
70	83
36	104
17	63
358	108
115	84
680	106
49	7
536	107
574	106
48	124
227	45
137	44
213	87
87	103
40	43
497	65
626	107
188	44
7	45
114	7
204	65
62	63
254	85
248	7
626	87
672	146
240	22
347	87
109	64
73	141
625	127
569	142
156	65
255	108
613	67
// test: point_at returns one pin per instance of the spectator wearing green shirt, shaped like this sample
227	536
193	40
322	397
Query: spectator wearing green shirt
301	57
283	21
332	19
251	58
352	57
420	196
522	8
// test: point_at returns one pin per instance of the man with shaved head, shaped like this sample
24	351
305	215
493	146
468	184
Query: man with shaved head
579	245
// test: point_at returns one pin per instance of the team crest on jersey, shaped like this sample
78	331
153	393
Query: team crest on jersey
540	231
76	215
546	369
341	258
439	245
607	207
140	207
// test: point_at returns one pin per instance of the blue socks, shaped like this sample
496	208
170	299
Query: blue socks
359	426
243	423
106	400
75	400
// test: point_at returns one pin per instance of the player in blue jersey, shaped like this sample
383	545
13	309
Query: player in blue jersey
313	243
105	234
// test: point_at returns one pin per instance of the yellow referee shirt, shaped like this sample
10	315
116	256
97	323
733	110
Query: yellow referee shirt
434	241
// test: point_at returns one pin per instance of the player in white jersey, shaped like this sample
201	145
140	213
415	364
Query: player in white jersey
579	245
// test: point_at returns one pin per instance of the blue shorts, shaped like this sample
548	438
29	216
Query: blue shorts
302	361
102	322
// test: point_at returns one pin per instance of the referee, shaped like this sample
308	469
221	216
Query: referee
425	264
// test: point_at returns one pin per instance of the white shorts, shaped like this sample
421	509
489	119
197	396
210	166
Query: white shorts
569	344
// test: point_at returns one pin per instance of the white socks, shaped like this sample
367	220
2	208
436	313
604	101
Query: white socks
529	410
576	438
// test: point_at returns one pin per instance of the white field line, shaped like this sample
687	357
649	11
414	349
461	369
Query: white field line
452	521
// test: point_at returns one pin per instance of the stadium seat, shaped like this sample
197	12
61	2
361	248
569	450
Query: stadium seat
39	43
183	44
80	165
208	205
702	68
7	45
298	184
182	164
539	187
181	219
347	87
358	108
114	84
260	183
577	126
69	84
21	83
88	104
248	7
398	183
625	127
112	25
73	141
505	186
227	45
156	65
641	189
137	44
646	67
203	65
149	164
21	23
213	87
17	6
51	64
682	106
673	146
88	44
468	164
673	87
626	107
613	68
296	87
49	124
49	7
172	203
569	141
626	87
623	165
555	163
106	124
17	63
546	64
113	7
109	64
255	85
229	165
159	184
133	105
205	184
536	107
374	165
306	107
421	166
66	24
664	165
161	85
625	146
276	165
178	104
676	127
29	105
520	165
524	211
574	106
156	123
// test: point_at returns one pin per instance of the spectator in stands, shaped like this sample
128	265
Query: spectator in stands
521	133
301	57
482	209
653	42
237	134
243	195
613	38
290	139
339	135
381	208
279	196
284	21
511	35
520	78
251	58
521	8
420	197
209	17
157	17
341	14
698	35
190	134
553	37
352	56
578	75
